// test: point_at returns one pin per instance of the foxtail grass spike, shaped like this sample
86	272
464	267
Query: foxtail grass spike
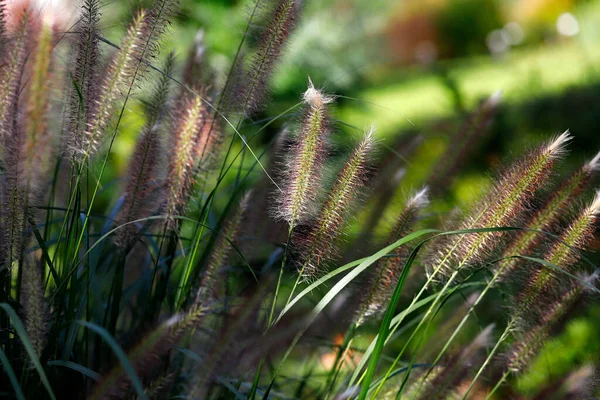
196	142
37	144
10	77
211	285
549	313
139	45
2	25
86	77
253	90
506	201
121	75
139	199
318	244
463	143
194	70
387	270
525	242
565	253
34	303
12	138
159	388
302	172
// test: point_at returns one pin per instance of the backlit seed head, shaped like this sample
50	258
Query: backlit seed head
502	206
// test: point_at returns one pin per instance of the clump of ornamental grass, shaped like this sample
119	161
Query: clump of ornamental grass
140	288
501	206
547	216
542	302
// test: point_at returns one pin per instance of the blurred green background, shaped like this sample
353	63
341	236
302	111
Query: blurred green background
416	69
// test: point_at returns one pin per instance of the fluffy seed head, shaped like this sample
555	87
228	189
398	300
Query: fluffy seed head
564	254
594	163
254	87
122	74
195	146
505	202
315	98
302	169
463	143
547	216
317	245
37	143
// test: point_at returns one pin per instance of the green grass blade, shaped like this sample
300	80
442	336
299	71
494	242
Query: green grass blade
367	262
11	375
22	333
77	367
135	380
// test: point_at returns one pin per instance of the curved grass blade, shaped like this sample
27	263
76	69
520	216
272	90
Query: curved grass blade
135	380
18	325
11	375
395	321
368	261
77	367
341	284
385	325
